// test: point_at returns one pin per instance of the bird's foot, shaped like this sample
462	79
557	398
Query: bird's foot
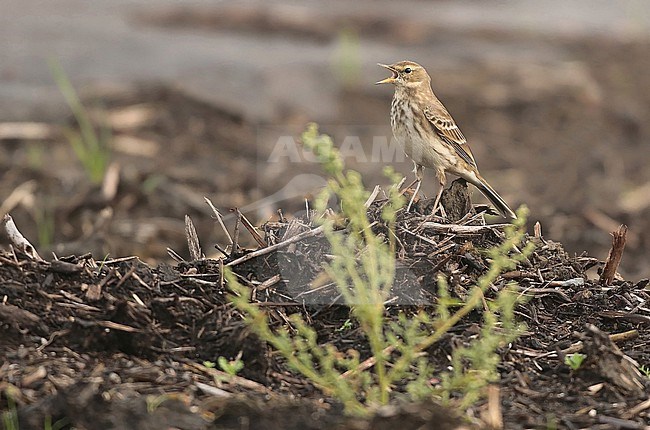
437	204
440	209
415	193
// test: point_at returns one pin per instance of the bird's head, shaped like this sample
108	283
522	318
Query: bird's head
405	73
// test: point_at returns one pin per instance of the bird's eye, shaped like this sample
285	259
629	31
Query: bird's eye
407	70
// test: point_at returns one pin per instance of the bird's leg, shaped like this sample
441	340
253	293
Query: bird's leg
418	177
408	187
443	181
436	202
418	170
417	188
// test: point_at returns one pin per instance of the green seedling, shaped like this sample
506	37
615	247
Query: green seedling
574	361
91	147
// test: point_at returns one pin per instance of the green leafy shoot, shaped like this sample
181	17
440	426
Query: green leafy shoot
91	147
231	367
363	269
574	361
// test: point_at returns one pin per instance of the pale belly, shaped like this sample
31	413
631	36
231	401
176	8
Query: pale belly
428	152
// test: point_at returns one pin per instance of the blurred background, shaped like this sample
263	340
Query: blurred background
118	116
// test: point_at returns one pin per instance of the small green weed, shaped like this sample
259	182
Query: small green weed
45	221
346	63
154	402
35	155
347	325
363	269
574	361
58	425
231	367
10	416
91	147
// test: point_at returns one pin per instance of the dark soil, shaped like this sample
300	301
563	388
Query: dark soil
95	341
118	344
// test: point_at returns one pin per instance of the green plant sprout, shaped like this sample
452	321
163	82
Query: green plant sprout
363	270
346	61
10	416
574	361
102	263
92	148
45	224
231	367
58	425
347	325
154	402
35	154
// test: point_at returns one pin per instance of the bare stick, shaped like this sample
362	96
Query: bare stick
174	255
111	181
121	260
19	194
27	130
18	239
616	337
269	283
614	256
462	229
220	249
372	197
281	217
219	218
213	391
235	233
494	415
269	249
251	229
637	409
192	239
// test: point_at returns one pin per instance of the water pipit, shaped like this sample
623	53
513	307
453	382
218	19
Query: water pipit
430	136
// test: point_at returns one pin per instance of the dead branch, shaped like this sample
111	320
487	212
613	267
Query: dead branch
20	194
616	337
269	249
614	256
251	229
219	218
18	239
192	240
462	229
372	197
28	131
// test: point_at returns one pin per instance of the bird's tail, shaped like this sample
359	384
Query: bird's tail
494	197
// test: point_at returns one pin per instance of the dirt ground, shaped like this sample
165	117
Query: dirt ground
123	344
115	335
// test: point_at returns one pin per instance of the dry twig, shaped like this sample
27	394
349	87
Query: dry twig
614	256
192	240
219	218
251	229
18	239
462	229
269	249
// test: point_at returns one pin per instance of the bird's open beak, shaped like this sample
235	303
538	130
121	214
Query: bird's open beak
387	80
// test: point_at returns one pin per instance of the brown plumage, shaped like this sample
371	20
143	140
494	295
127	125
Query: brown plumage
429	135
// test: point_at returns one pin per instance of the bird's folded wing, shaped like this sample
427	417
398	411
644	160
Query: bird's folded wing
446	128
